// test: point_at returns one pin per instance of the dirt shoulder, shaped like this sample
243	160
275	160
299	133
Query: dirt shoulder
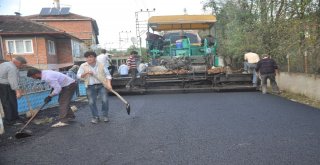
301	99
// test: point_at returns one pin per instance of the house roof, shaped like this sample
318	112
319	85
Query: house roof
66	17
16	25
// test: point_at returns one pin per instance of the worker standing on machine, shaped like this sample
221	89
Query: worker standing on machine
251	60
132	64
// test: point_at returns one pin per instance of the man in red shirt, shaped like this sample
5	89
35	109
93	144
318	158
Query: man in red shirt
132	64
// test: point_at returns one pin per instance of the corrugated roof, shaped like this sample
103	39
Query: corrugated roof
181	22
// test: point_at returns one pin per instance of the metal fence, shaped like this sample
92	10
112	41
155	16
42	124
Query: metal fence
306	63
36	90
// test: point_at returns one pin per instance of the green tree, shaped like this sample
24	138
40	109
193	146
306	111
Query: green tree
277	27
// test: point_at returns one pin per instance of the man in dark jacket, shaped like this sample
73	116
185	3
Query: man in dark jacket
267	68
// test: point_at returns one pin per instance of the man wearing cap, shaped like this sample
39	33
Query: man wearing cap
9	88
268	68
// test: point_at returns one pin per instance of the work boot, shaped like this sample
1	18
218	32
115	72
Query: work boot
71	118
105	119
59	124
264	89
95	120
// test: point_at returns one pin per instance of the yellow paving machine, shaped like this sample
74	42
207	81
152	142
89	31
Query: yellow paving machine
183	58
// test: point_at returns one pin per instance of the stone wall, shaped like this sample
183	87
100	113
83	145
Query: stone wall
300	83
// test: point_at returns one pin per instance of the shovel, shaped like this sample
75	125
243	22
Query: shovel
116	93
21	134
31	110
123	100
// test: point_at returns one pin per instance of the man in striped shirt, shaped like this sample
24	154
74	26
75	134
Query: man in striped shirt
132	64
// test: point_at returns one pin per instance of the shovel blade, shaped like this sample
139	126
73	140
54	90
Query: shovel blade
20	135
128	108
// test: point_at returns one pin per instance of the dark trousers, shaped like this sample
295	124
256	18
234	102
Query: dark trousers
9	103
111	69
64	100
273	83
133	73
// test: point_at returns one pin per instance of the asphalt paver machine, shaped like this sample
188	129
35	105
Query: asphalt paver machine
182	51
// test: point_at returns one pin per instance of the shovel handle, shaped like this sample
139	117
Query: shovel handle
117	94
111	90
33	116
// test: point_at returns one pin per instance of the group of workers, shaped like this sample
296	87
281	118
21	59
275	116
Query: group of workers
96	73
264	69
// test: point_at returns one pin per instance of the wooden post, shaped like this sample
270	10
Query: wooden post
288	61
305	62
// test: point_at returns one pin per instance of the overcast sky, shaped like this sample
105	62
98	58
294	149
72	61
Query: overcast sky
112	16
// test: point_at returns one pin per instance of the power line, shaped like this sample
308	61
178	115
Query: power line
123	38
142	25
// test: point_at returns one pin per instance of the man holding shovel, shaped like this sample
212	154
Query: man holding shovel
61	85
93	73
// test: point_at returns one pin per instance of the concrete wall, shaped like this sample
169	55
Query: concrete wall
300	83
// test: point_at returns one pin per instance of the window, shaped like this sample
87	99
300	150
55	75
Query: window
51	47
75	48
19	46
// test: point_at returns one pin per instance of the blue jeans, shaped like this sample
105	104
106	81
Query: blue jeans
92	93
251	68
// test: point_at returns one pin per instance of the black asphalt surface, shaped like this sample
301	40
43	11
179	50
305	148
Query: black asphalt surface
240	128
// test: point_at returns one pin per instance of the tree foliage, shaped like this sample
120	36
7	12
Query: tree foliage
281	28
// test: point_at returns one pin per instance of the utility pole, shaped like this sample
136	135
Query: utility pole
123	38
142	25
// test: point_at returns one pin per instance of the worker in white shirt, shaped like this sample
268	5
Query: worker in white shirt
250	62
62	85
94	86
105	58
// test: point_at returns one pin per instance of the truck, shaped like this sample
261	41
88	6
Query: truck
182	52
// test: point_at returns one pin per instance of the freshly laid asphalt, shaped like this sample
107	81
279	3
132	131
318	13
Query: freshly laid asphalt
233	128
